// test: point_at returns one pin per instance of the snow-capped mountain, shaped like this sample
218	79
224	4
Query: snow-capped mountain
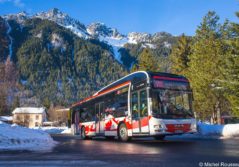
135	37
97	30
64	20
100	29
19	17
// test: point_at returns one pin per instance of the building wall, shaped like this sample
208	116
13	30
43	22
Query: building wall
29	120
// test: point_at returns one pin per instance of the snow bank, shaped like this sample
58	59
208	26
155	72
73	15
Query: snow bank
54	130
229	130
5	118
66	131
13	137
210	131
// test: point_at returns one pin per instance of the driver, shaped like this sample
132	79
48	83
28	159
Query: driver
171	108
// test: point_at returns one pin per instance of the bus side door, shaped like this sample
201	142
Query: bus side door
139	108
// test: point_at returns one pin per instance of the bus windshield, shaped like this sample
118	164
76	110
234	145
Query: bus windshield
171	104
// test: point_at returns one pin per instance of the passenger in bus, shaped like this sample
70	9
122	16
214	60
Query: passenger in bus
109	113
135	111
144	110
97	116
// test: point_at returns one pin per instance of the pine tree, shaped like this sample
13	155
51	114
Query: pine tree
135	68
147	61
11	74
231	68
16	103
204	70
180	55
3	93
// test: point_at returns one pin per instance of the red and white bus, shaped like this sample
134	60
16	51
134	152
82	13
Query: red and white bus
139	104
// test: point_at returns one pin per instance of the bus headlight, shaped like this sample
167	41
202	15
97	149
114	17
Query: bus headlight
157	127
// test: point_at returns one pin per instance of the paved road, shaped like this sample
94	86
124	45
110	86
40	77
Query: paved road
72	151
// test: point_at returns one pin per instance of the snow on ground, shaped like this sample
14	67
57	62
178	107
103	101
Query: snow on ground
54	130
66	131
206	131
116	44
13	137
119	42
77	31
152	46
5	118
229	130
11	40
117	54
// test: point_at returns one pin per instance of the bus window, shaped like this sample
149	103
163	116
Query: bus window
143	103
171	104
121	105
102	109
116	105
134	106
86	114
109	106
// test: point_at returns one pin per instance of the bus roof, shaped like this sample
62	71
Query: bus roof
133	78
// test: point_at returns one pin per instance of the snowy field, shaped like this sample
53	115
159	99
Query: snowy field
13	137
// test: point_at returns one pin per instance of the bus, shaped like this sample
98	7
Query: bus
140	104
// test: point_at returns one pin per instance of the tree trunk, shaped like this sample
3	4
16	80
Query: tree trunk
218	111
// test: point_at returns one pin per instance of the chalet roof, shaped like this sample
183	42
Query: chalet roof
29	110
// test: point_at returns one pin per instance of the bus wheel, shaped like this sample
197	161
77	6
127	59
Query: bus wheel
83	135
123	133
161	137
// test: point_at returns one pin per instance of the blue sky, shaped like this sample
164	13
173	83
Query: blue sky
173	16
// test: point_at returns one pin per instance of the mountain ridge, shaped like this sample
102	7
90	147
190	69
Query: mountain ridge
57	64
93	30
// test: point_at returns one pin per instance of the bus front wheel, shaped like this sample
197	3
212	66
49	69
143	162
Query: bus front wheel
123	133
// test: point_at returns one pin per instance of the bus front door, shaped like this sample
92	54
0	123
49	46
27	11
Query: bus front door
139	108
100	119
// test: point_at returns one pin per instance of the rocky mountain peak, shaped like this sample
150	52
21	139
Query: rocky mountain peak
101	30
64	20
19	17
136	37
54	15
